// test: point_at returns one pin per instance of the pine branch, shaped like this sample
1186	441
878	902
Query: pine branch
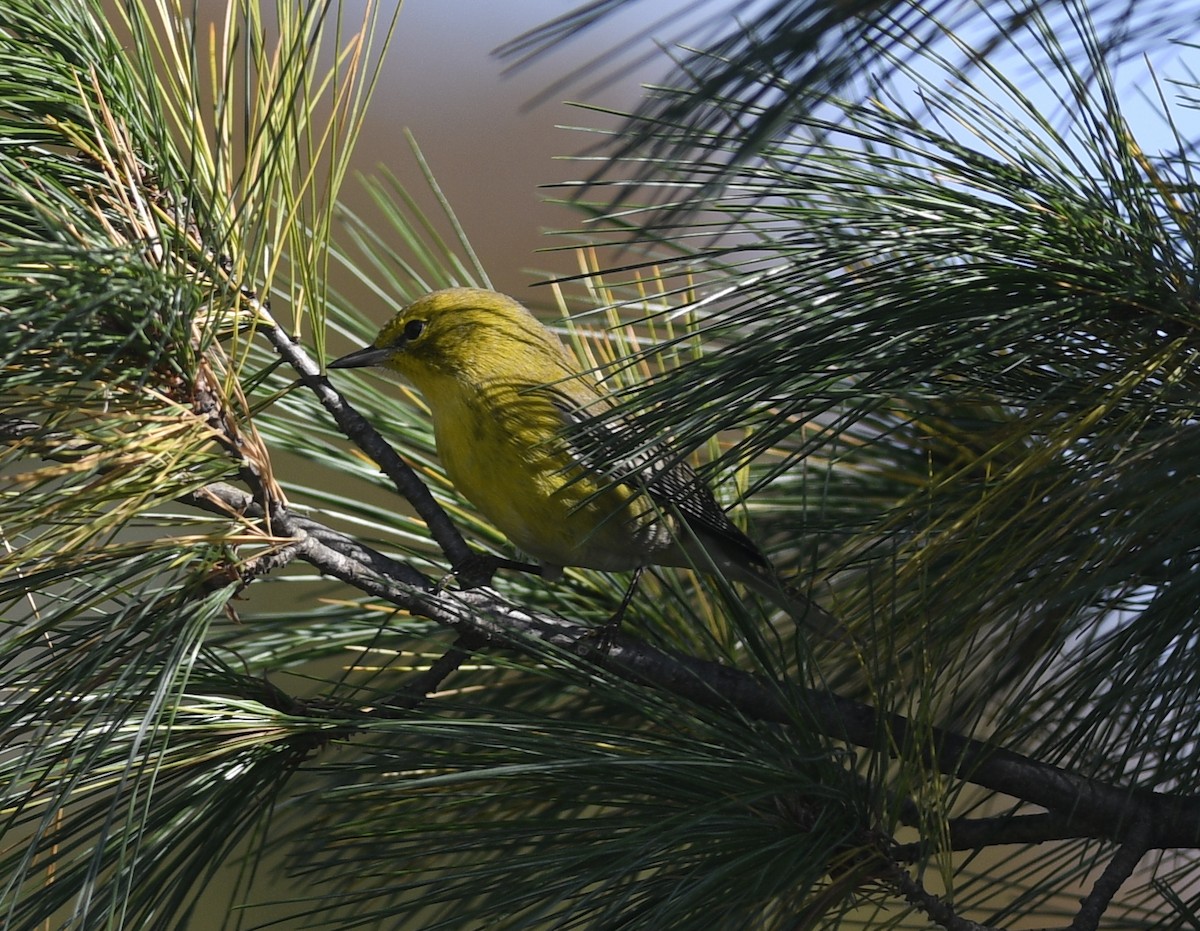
940	912
225	500
1079	807
422	686
977	833
356	427
1119	869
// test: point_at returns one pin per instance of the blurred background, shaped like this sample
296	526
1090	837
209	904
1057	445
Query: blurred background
496	135
490	140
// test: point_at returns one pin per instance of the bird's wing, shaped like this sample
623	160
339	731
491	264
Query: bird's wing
602	445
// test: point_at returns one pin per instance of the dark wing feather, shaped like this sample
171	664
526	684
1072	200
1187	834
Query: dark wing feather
670	482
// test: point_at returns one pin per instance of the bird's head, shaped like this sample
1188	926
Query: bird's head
461	332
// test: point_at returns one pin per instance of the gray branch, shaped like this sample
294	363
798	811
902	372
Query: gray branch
1078	806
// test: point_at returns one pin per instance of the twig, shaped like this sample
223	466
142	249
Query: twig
418	689
940	912
977	833
226	500
1119	869
17	428
431	678
356	427
395	705
239	439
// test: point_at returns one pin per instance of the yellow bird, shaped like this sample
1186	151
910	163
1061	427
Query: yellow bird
504	393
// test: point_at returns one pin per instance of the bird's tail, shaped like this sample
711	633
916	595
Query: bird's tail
795	603
760	576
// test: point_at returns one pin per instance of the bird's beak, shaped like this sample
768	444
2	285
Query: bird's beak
361	358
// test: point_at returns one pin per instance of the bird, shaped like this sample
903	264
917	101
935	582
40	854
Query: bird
519	430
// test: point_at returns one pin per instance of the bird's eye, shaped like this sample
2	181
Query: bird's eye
413	329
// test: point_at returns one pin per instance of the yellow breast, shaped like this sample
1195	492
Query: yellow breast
503	450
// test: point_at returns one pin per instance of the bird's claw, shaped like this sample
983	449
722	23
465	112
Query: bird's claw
606	634
477	570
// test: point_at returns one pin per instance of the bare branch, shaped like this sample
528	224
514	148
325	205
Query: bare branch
1081	807
977	833
226	500
16	428
420	687
356	427
1119	869
940	912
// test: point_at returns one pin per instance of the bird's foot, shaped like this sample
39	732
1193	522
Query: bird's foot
606	634
477	570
